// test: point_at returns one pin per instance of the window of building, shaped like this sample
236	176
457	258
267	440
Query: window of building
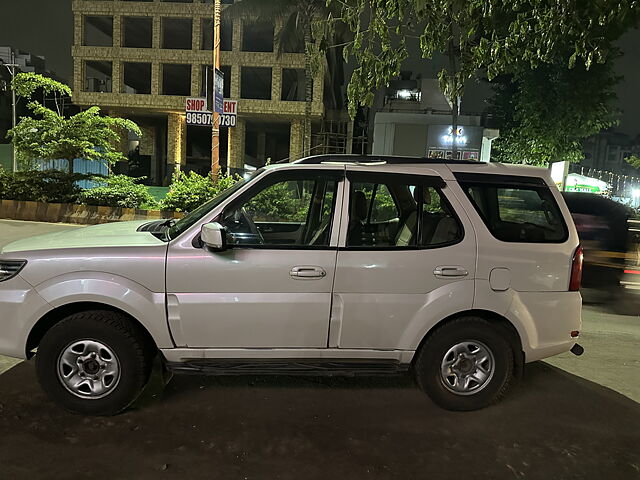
176	33
206	79
517	211
206	34
98	31
293	84
136	77
97	76
255	83
176	79
137	32
257	37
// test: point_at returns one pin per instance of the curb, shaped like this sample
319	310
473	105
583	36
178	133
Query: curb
78	214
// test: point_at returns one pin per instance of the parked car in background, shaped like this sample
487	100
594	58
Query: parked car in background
459	272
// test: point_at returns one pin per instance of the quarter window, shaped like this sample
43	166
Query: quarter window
518	213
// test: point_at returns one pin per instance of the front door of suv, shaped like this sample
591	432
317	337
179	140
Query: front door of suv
406	261
272	287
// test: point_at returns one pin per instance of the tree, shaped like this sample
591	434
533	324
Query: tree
301	31
49	135
544	113
633	160
489	37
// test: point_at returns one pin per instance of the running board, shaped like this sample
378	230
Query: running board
289	367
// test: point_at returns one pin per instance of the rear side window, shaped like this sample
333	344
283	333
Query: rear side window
518	212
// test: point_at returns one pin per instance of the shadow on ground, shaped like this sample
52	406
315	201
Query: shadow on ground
552	426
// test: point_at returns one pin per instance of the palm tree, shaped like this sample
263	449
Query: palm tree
295	34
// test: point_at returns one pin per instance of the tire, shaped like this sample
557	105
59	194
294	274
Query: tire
480	377
94	363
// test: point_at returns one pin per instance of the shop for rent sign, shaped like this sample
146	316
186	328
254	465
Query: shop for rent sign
198	115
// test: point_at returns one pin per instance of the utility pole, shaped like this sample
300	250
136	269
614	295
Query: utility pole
215	117
12	70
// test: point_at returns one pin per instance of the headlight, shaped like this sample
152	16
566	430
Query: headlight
10	268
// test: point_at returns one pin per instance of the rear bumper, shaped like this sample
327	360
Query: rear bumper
545	321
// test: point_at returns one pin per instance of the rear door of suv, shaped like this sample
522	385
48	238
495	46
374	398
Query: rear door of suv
406	259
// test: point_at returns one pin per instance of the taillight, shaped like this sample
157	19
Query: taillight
576	270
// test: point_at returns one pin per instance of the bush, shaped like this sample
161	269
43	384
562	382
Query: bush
119	191
51	186
190	190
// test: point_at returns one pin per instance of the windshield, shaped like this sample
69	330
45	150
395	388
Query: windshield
195	215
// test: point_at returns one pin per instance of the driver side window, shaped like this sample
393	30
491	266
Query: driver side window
296	211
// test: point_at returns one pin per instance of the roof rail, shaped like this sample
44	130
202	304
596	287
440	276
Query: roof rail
389	159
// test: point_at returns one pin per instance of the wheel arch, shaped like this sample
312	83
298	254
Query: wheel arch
53	317
499	321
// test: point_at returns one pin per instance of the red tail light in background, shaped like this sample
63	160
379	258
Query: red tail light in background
576	270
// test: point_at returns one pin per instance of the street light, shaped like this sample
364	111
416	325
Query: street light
12	71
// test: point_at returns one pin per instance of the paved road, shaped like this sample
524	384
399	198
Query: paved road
563	421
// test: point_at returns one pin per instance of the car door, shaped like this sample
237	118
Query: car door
272	287
406	261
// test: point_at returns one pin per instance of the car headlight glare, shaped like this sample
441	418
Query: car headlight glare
10	268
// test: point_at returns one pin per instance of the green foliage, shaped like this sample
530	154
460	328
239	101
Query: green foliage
119	191
40	186
490	36
633	160
545	113
48	135
26	84
190	190
282	202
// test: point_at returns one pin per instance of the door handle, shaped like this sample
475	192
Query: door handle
450	271
308	271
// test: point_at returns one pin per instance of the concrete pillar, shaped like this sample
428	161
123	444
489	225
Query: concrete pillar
117	31
176	141
235	81
349	145
116	76
155	78
296	139
262	146
196	73
235	149
156	34
276	83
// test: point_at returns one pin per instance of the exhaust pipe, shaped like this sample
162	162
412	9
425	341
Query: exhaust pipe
577	349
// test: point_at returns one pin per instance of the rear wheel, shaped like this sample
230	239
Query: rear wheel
466	364
94	362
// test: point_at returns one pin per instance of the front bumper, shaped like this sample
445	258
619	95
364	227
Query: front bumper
20	308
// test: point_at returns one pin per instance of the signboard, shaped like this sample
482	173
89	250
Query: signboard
440	142
198	115
218	90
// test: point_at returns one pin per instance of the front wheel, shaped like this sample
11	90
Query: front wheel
466	364
93	362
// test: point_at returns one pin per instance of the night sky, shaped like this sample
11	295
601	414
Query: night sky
47	30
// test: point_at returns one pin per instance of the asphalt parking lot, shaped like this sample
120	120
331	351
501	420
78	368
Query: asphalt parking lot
570	418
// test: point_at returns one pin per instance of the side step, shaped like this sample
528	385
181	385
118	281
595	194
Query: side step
218	366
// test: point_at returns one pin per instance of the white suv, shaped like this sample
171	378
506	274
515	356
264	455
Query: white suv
458	271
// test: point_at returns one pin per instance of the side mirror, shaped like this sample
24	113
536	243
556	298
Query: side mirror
214	236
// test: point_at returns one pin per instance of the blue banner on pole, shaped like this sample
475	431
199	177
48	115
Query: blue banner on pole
219	92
